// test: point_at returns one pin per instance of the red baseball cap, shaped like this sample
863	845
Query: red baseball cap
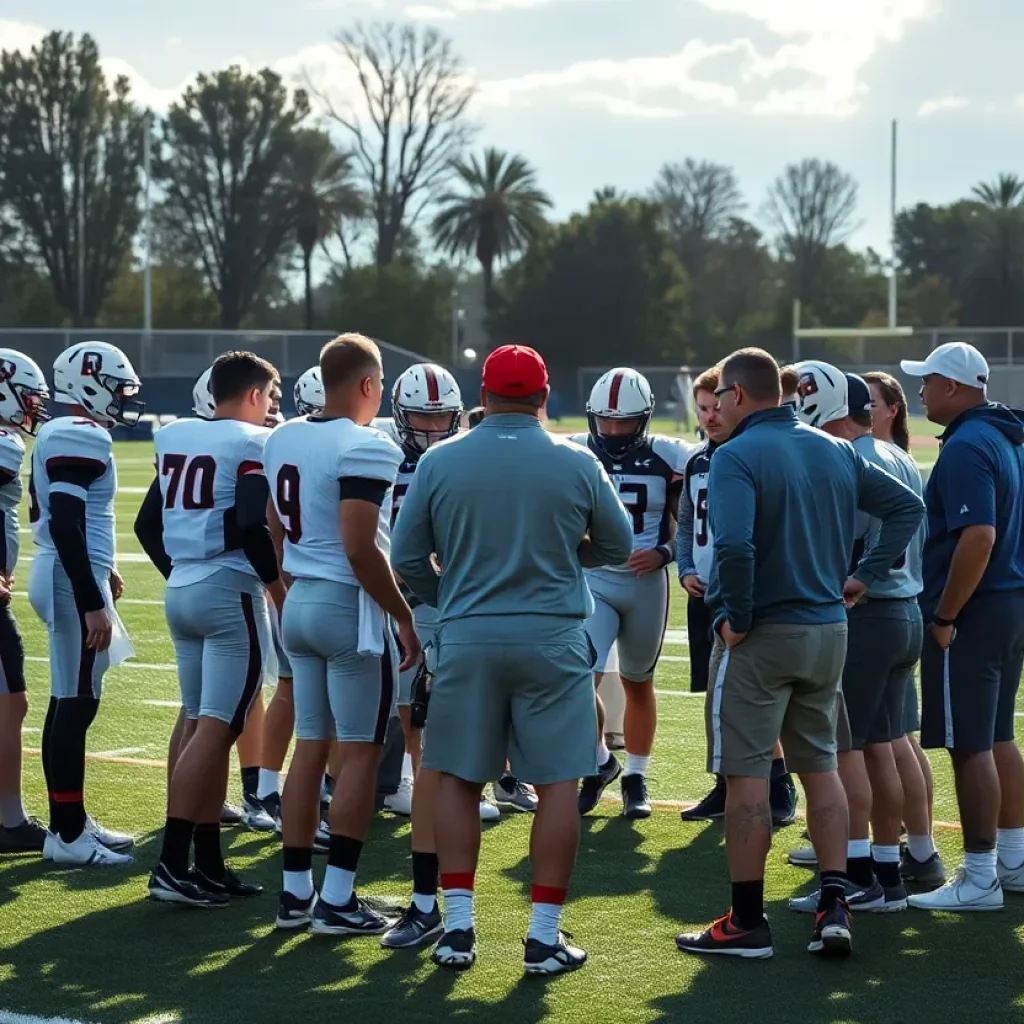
515	371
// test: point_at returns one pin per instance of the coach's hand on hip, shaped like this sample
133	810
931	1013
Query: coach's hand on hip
729	637
853	591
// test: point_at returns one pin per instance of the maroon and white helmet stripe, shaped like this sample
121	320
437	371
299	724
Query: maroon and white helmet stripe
613	392
433	394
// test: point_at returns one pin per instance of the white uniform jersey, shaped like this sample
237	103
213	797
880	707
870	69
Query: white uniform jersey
199	464
12	454
305	460
405	470
643	477
696	475
68	453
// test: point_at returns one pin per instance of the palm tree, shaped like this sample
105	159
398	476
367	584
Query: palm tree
1005	192
498	211
321	192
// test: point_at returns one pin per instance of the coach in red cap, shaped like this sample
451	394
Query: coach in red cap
513	514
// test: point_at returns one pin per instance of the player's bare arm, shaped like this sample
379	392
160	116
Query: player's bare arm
968	565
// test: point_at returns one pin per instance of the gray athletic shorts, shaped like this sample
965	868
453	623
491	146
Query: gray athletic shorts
514	686
632	610
884	647
911	709
75	671
12	653
221	633
284	667
425	620
338	692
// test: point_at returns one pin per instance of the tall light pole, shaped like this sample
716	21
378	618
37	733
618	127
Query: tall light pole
892	230
455	327
147	283
80	220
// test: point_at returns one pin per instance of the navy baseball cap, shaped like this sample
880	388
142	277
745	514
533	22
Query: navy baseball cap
858	399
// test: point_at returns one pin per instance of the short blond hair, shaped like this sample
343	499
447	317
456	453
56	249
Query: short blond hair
707	381
789	377
346	357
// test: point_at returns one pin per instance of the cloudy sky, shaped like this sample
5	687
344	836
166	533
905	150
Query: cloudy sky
602	92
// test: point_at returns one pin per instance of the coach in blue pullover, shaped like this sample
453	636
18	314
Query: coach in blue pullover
973	602
783	501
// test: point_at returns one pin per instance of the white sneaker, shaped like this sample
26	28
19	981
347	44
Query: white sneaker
1011	879
488	812
960	893
86	850
119	842
803	857
400	802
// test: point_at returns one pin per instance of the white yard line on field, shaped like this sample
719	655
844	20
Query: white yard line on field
130	556
128	664
7	1017
124	600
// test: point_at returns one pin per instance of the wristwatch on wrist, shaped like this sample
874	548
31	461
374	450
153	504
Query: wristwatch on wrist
940	621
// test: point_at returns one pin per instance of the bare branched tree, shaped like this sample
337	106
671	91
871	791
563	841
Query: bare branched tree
415	91
812	206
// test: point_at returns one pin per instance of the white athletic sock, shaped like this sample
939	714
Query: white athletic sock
424	902
270	782
338	886
603	753
458	901
407	772
299	884
886	854
858	848
921	847
545	914
1010	846
637	764
981	867
12	811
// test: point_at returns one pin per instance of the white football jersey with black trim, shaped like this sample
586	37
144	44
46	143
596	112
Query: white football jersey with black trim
305	459
12	455
406	471
199	463
698	470
71	442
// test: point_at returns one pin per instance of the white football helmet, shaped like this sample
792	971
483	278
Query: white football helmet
98	376
202	396
431	390
822	393
309	393
620	394
23	392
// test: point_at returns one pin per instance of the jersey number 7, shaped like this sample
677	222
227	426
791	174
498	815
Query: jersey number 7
286	498
196	490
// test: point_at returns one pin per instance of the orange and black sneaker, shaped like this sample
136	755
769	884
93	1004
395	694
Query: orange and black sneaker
833	934
725	937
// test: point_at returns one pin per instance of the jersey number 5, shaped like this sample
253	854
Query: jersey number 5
638	506
286	497
197	487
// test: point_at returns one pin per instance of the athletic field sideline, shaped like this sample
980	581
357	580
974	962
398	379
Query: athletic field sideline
85	945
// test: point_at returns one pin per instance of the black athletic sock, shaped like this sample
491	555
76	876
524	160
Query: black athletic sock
209	858
424	874
300	858
859	871
177	840
344	853
47	744
748	903
250	782
832	889
70	723
779	770
888	873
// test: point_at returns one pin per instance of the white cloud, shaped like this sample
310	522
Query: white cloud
425	12
173	43
940	104
19	35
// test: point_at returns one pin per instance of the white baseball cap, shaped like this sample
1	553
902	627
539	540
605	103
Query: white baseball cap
955	360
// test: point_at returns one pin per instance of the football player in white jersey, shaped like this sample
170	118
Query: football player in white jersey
631	600
208	505
331	481
74	581
23	392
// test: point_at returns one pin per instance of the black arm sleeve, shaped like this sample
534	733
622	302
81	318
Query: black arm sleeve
67	531
149	528
6	476
363	488
251	494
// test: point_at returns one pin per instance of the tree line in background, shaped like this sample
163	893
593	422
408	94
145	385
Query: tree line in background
250	192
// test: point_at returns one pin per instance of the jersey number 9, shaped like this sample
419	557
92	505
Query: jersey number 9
700	515
197	487
286	497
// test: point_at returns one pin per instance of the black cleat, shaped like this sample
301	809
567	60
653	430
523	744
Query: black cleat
230	816
922	872
635	804
28	837
165	888
711	807
594	785
725	938
294	913
413	928
231	885
832	934
455	950
540	958
356	918
784	799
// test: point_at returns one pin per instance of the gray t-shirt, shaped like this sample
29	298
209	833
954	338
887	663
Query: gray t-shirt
904	579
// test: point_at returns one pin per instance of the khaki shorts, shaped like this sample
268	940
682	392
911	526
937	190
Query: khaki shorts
532	702
782	682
